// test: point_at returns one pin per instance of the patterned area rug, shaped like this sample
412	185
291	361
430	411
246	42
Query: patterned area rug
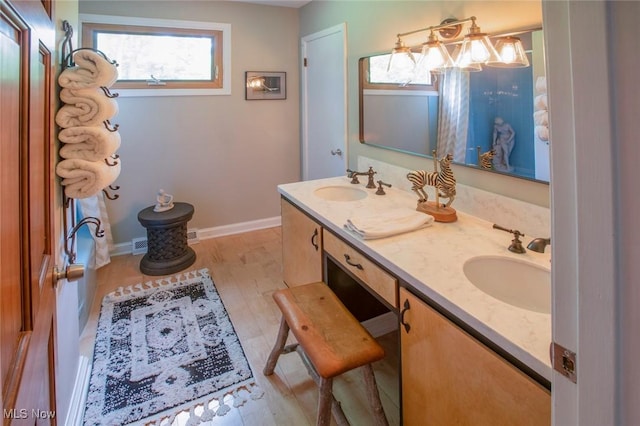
166	347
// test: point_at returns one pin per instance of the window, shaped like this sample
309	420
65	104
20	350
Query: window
163	56
378	78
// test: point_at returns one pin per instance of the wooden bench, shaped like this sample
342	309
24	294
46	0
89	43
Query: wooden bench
331	341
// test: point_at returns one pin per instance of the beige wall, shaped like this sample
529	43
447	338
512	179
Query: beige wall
372	27
226	155
223	154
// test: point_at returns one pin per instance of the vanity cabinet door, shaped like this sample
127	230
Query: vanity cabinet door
301	247
450	378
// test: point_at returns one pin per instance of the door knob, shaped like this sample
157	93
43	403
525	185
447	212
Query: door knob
336	152
71	272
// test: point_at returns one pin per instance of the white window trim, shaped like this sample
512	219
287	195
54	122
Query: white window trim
171	23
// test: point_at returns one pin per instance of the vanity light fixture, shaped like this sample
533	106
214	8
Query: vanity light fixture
434	54
475	50
512	54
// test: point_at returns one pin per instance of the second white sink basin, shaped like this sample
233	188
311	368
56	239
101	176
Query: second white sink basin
340	193
514	281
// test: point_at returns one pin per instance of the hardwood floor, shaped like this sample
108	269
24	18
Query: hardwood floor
246	270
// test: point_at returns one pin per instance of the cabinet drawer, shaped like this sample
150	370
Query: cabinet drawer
353	261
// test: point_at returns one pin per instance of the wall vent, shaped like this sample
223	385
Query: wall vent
192	236
140	245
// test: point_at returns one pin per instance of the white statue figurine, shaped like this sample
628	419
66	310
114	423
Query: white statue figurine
503	142
164	202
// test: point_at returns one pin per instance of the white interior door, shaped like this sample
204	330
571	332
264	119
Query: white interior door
324	111
583	191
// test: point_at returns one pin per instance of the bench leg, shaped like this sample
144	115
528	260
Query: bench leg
336	408
278	348
374	396
324	402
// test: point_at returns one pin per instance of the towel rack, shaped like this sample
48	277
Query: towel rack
110	127
108	93
109	195
67	60
114	157
70	223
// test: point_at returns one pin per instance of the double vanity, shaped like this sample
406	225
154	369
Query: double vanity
473	317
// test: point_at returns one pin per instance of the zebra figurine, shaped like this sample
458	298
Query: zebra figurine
485	159
443	181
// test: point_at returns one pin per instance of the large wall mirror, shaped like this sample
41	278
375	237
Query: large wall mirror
464	114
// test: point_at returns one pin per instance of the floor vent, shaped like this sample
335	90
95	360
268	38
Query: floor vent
139	245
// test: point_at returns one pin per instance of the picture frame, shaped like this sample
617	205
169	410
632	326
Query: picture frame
265	85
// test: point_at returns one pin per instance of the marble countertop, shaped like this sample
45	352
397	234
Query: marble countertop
430	261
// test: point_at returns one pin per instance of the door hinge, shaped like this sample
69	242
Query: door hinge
564	361
305	62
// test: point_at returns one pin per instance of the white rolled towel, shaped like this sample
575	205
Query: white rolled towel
542	132
88	143
540	103
388	223
91	71
82	178
541	84
541	118
85	107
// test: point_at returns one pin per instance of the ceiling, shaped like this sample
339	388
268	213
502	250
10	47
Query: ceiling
282	3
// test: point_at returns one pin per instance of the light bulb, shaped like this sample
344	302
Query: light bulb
401	66
508	53
435	56
479	53
462	60
434	59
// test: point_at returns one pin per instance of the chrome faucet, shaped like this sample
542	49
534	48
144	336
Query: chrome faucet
539	244
354	176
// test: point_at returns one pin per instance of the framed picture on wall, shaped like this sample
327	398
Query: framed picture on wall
261	85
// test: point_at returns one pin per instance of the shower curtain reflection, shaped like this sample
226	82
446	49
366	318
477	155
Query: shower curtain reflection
453	121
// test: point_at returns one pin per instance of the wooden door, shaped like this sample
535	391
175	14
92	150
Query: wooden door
449	378
301	247
26	184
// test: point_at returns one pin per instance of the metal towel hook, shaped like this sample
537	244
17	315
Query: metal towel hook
72	235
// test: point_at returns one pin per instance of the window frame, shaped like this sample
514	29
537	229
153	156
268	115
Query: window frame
364	65
220	32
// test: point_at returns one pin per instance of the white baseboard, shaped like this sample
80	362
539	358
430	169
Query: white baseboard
79	396
382	324
214	232
120	249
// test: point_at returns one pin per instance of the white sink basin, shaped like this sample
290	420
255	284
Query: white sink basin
340	193
513	281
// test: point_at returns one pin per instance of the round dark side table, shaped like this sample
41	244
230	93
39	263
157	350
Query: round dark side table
167	249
